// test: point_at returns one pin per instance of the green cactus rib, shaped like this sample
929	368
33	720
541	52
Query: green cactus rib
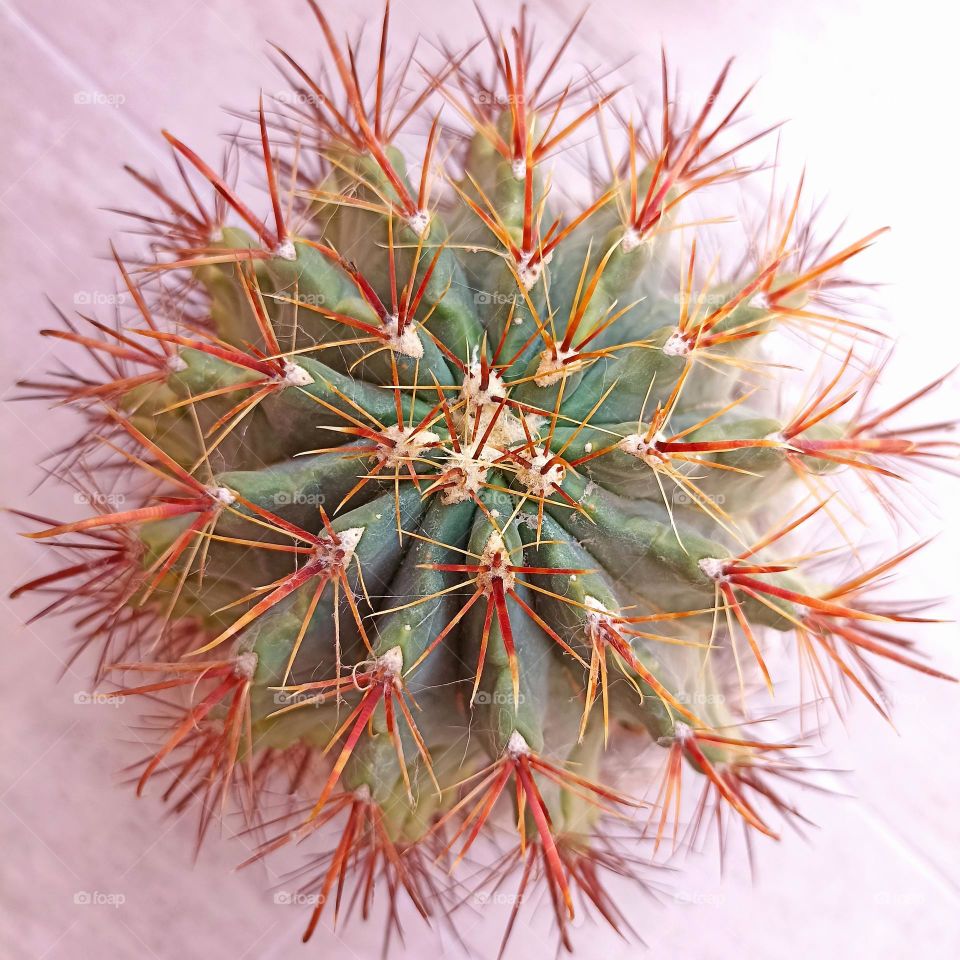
464	493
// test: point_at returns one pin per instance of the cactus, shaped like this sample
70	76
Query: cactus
446	498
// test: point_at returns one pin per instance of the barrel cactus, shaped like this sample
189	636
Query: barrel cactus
444	498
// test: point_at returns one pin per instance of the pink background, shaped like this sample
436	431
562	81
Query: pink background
868	87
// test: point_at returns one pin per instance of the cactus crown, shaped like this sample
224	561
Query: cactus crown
444	488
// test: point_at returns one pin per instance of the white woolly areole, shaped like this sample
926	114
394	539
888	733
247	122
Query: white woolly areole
328	554
759	301
529	271
409	444
682	731
296	376
552	368
631	240
419	222
246	665
493	563
407	343
517	746
713	568
540	482
176	363
643	449
472	468
471	390
222	495
534	422
597	615
519	168
391	662
676	345
508	429
286	251
595	608
348	542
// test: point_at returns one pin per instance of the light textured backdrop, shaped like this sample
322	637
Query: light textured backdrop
85	86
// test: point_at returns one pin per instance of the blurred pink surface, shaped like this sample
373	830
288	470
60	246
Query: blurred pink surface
86	87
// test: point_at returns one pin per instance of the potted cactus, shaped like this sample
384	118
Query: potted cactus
448	497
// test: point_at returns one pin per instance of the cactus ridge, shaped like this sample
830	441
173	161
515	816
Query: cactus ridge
447	495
